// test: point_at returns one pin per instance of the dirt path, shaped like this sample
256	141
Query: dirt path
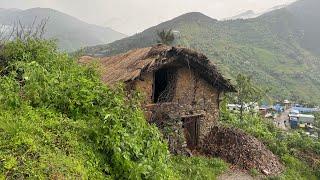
236	175
280	119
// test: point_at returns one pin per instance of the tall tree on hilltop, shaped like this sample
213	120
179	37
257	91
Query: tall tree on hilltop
165	37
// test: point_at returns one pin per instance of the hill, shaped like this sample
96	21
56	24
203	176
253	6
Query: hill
275	49
70	32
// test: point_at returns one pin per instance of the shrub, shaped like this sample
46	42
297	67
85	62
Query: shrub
58	120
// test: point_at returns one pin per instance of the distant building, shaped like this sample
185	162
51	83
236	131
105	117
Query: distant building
287	104
267	111
300	120
303	109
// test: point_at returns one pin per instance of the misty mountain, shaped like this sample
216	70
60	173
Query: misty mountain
245	15
306	15
70	32
279	49
251	14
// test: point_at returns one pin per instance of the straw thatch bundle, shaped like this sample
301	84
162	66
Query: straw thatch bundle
130	66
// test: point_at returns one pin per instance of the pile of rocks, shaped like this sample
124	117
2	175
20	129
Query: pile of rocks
241	149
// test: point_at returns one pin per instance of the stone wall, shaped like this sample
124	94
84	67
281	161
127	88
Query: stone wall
193	96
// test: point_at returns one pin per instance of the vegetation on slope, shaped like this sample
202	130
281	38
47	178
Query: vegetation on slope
271	48
294	148
59	121
196	168
298	152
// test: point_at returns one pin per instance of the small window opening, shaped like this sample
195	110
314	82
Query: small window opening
163	85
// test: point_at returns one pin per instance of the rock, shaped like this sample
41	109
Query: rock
265	172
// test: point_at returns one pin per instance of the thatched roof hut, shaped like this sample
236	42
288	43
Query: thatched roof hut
130	66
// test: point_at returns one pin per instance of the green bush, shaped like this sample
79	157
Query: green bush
198	167
58	120
254	172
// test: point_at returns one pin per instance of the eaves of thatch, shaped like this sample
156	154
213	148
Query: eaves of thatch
130	66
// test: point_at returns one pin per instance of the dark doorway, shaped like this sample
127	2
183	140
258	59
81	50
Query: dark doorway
163	85
191	130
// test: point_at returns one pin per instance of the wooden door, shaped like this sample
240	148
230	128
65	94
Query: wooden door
191	130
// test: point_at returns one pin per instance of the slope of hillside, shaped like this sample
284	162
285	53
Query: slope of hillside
70	32
270	48
306	14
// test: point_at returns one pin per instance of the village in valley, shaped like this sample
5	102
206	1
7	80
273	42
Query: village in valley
287	116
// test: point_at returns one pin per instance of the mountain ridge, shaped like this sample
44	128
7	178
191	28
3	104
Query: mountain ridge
252	14
74	34
269	48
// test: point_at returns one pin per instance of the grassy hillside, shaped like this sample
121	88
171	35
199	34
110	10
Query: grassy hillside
306	14
59	121
70	32
271	48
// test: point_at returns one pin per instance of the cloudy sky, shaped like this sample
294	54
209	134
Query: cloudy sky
131	16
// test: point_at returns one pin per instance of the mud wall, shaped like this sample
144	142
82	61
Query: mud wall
192	96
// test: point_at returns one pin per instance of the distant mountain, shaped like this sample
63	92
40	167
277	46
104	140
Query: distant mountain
245	15
279	49
70	32
251	14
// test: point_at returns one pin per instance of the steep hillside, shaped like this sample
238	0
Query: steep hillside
272	48
70	32
306	14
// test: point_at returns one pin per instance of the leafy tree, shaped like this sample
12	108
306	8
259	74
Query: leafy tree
165	37
247	94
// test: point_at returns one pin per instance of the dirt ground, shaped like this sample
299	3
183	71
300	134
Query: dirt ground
283	117
237	175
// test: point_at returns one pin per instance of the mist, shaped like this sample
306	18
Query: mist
132	16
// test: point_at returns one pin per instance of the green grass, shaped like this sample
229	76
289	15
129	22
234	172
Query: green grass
59	121
198	168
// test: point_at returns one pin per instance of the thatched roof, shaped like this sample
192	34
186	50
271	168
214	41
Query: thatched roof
131	65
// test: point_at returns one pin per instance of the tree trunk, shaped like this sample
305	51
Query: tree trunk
241	112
